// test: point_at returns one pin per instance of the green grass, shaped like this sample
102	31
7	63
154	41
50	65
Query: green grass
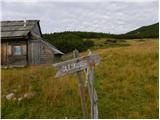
100	43
126	81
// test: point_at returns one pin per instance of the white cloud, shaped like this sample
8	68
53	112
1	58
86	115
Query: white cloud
111	16
37	1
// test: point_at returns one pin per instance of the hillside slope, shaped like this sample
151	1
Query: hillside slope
150	31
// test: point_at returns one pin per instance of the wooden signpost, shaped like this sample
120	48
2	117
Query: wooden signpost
76	65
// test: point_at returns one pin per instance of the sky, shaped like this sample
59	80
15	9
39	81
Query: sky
107	16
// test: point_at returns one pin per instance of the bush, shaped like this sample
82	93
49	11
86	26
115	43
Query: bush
68	42
88	43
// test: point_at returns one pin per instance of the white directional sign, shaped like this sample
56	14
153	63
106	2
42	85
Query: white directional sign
76	64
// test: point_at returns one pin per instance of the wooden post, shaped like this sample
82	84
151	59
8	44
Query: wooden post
80	84
94	108
91	89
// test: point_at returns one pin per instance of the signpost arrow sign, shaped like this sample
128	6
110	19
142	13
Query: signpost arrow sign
76	64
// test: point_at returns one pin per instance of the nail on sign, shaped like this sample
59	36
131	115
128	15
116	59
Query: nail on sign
76	64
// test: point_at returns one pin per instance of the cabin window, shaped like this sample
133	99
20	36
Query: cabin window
17	50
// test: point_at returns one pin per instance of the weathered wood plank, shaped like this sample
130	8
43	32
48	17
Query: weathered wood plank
4	53
34	52
76	64
81	87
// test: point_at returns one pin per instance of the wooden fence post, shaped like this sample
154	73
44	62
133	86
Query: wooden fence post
80	84
94	108
91	89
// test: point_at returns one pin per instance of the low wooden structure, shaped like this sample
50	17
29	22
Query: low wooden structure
22	44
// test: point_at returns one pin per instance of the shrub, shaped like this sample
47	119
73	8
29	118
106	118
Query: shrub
68	42
88	43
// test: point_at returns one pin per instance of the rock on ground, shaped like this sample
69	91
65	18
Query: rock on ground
29	95
10	96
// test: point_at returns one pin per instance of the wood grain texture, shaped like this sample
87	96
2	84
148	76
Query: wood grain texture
7	53
77	64
81	87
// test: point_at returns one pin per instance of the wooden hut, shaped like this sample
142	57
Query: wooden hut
22	44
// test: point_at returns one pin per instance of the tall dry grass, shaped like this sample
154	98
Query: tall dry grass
126	81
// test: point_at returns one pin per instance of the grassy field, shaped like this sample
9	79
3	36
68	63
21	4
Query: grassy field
126	82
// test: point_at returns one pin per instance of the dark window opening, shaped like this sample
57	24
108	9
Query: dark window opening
17	50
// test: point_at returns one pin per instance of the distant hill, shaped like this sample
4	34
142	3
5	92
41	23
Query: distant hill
150	31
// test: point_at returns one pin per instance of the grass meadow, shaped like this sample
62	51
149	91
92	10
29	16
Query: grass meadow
126	81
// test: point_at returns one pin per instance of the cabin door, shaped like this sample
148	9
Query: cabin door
4	53
34	52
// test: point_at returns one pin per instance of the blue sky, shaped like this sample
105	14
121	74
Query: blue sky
109	16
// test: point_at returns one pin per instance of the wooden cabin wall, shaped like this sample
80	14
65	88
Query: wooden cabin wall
34	52
39	53
7	56
4	53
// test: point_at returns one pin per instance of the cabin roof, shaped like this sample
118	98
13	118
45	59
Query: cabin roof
17	29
